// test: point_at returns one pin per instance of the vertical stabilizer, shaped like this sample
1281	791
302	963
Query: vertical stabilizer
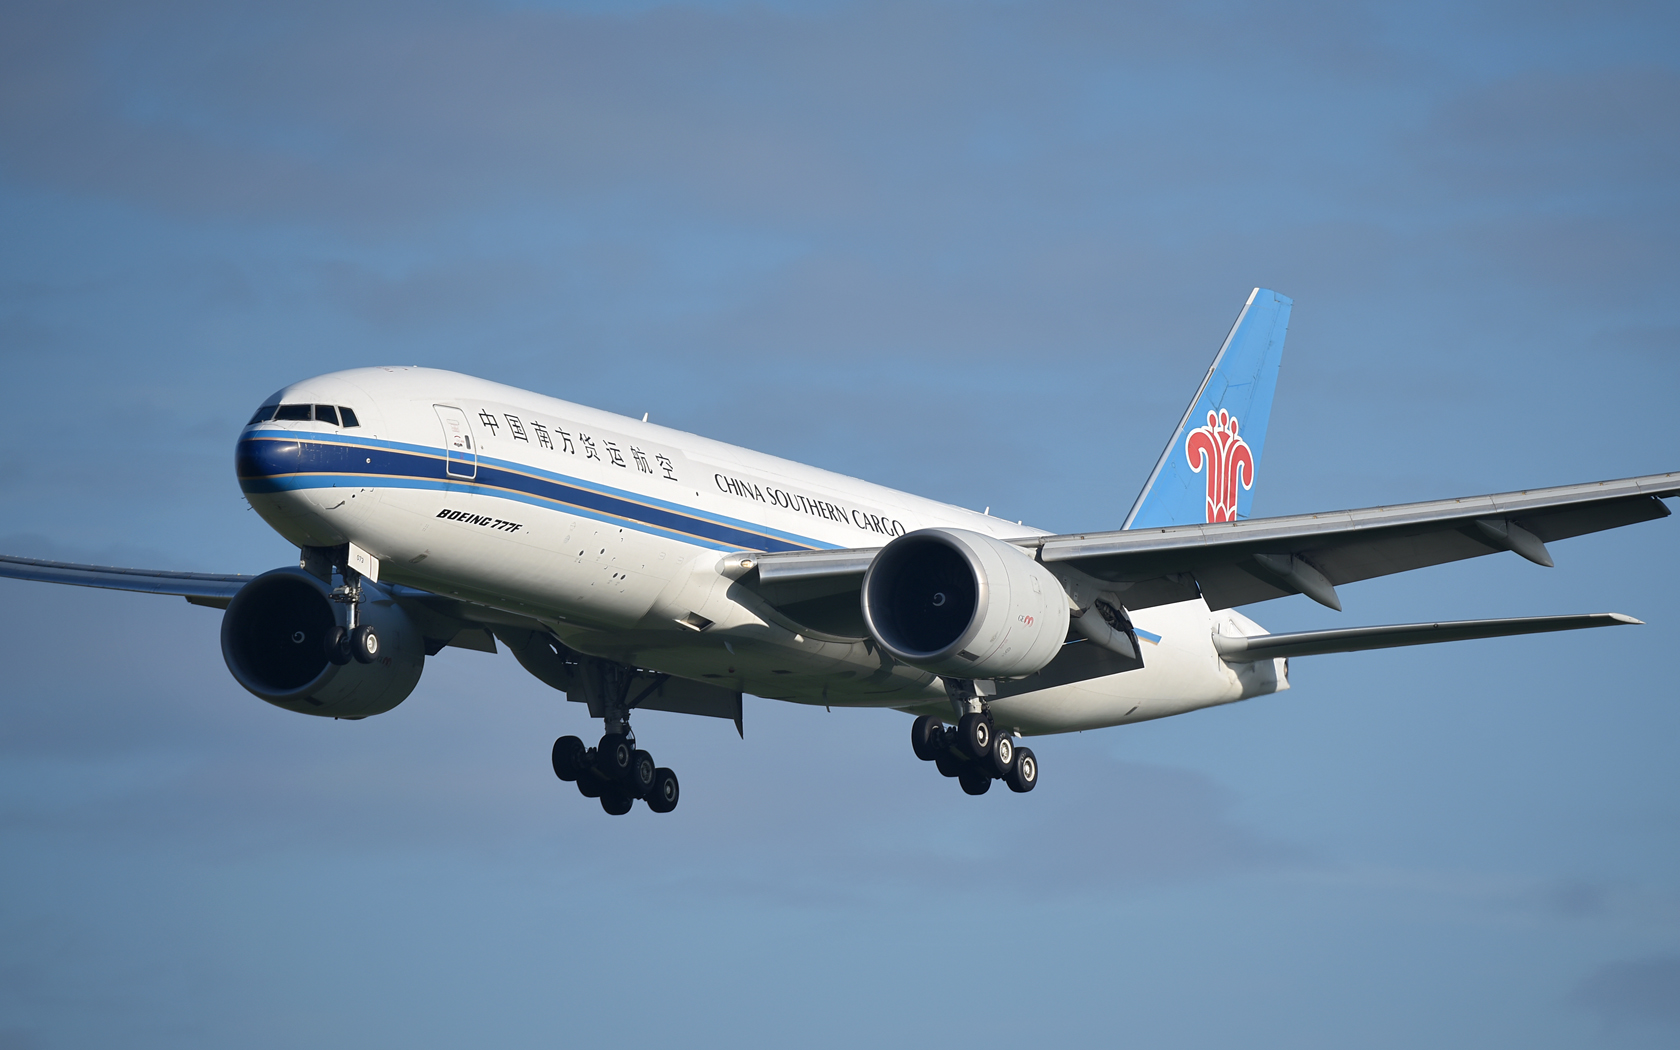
1211	464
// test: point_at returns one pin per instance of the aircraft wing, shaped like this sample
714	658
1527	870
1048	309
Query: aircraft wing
200	588
1240	562
1358	639
452	621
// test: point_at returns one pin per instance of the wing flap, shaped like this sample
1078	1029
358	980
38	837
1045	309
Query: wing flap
1078	661
1357	639
1226	585
1568	522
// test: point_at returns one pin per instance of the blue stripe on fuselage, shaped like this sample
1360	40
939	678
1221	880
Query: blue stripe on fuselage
270	461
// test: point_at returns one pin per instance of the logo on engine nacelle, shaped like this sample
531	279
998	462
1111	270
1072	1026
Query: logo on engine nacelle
1228	460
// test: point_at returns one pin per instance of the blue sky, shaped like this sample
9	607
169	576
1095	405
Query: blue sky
981	251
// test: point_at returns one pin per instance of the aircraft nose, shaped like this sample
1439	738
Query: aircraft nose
294	434
263	460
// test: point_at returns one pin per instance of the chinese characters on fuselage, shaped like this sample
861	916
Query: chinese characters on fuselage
557	439
616	453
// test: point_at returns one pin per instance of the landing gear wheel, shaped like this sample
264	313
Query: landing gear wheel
1024	777
1003	756
663	797
925	734
615	771
975	783
338	645
364	644
613	757
948	765
976	734
568	758
641	774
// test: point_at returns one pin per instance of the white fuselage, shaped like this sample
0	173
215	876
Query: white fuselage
612	531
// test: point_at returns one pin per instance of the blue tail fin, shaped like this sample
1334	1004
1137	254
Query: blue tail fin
1209	468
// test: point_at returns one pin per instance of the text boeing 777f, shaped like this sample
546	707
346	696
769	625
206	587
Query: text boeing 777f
633	566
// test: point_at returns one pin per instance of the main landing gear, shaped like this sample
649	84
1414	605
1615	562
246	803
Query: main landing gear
974	751
615	770
617	773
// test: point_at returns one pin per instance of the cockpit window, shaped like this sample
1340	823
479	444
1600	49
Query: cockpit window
337	415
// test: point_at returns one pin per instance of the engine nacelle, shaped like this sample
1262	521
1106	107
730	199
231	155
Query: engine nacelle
964	605
274	641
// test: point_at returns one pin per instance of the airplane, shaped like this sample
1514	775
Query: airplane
636	567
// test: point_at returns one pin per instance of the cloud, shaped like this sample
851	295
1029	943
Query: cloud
917	117
1546	132
1639	990
1577	898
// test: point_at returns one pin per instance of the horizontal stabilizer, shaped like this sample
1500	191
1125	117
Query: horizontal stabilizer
1355	639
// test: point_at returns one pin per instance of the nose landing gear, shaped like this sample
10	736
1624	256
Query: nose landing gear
974	751
352	641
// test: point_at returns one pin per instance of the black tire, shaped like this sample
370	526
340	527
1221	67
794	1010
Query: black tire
949	765
568	758
338	645
642	772
1002	759
975	783
590	786
926	737
364	644
613	757
663	798
975	734
1024	777
617	803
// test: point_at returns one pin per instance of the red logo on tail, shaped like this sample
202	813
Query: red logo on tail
1227	459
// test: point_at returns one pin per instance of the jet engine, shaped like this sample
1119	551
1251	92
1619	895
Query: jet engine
964	605
275	641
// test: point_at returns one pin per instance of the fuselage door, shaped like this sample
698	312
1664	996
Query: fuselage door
460	455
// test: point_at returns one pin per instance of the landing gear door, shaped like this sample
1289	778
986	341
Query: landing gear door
460	455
